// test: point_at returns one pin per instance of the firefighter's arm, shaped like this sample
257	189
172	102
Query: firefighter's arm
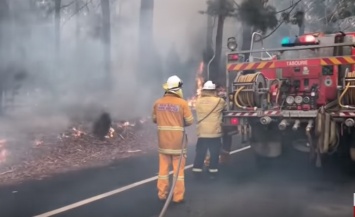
154	115
225	105
188	117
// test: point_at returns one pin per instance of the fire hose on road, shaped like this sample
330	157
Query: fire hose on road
182	155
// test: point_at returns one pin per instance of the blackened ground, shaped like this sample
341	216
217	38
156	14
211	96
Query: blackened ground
292	188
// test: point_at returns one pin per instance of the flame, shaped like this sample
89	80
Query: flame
3	151
124	124
78	133
110	133
38	142
199	84
199	79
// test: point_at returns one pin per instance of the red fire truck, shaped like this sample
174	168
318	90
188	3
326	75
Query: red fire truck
301	95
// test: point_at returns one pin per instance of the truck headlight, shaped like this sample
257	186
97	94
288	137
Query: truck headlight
232	44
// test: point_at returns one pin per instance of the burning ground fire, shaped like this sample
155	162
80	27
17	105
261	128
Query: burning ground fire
77	147
199	84
123	129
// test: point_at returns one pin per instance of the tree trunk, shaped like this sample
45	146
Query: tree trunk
106	38
57	25
146	48
302	27
4	15
214	73
209	35
77	7
208	52
247	33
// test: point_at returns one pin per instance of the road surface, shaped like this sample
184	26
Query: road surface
291	189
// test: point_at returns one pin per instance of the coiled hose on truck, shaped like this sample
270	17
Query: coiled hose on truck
247	99
348	95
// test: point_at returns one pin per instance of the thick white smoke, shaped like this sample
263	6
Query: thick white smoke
68	84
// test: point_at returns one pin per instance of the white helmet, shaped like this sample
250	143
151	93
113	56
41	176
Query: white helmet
209	85
173	82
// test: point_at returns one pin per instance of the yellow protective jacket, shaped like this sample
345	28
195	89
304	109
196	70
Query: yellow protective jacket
209	127
171	113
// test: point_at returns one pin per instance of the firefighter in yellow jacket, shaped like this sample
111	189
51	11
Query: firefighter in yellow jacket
171	113
209	109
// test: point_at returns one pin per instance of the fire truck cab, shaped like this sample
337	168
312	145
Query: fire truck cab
301	95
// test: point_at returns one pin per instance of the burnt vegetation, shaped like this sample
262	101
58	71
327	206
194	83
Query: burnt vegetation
102	125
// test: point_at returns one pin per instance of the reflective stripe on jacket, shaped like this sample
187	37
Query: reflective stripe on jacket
209	127
171	113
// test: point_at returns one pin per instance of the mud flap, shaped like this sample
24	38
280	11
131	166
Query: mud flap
352	153
351	142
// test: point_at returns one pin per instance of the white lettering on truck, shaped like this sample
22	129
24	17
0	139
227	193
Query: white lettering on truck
297	63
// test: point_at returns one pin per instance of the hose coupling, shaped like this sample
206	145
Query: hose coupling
265	120
309	125
283	124
349	122
296	125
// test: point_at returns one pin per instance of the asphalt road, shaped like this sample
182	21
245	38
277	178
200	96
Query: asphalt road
290	189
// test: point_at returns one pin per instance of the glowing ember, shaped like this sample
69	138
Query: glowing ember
110	133
3	152
143	120
199	84
78	133
38	142
125	124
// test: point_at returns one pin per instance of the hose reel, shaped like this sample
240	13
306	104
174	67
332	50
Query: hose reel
249	90
347	97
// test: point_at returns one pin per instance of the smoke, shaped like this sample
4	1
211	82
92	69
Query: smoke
51	87
254	13
69	82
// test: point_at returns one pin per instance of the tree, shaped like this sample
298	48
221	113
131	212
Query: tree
106	38
146	48
220	9
4	15
329	15
255	16
57	6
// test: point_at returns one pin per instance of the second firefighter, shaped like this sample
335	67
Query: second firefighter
209	108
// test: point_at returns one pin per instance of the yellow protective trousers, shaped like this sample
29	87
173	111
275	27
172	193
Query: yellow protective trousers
165	160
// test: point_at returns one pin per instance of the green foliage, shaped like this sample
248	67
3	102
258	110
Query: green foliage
226	8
